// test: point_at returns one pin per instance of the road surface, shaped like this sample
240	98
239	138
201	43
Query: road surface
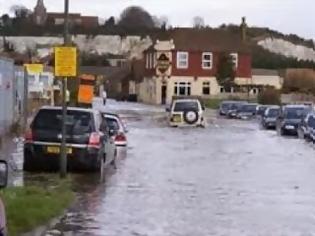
231	178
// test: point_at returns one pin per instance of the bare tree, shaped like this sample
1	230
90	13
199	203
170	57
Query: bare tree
135	18
198	22
161	22
20	11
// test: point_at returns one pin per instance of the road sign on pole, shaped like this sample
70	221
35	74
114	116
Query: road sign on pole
65	65
65	61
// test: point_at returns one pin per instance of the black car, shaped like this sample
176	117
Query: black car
307	126
290	118
260	111
234	109
225	107
89	142
246	111
269	118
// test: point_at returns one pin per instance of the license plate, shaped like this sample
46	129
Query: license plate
290	127
56	150
177	118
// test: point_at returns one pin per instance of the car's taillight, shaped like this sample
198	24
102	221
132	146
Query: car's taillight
28	136
120	138
95	140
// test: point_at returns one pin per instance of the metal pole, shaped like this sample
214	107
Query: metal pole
63	151
25	100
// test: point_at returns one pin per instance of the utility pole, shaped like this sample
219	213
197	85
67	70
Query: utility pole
25	99
63	150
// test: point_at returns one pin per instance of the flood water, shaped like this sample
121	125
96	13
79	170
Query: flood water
231	178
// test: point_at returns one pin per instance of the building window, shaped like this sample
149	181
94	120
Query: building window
182	60
206	88
182	89
234	57
207	60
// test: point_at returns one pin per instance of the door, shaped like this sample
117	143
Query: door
163	94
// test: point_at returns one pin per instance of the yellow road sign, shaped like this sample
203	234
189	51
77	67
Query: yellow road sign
65	61
34	68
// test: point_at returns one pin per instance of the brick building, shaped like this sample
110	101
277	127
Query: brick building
185	62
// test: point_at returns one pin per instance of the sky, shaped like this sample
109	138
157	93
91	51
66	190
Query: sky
286	16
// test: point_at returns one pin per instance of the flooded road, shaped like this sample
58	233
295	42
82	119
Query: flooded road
231	178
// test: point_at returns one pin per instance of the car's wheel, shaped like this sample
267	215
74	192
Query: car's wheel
191	117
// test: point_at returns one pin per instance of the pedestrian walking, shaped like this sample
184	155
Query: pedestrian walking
104	95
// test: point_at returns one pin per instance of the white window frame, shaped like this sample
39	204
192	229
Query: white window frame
181	60
234	57
185	85
203	60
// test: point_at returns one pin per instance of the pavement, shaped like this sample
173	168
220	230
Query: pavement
231	178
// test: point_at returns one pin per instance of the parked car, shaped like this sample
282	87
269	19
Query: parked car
225	107
306	126
186	112
290	118
116	124
269	118
312	128
3	184
246	111
89	141
260	111
234	108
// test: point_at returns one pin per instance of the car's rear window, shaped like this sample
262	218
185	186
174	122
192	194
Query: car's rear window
274	112
186	106
77	122
112	123
294	113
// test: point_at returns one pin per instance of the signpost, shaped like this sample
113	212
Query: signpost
65	61
65	66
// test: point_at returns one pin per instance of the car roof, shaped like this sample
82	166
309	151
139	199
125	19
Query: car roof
109	114
186	100
295	106
68	108
113	116
274	107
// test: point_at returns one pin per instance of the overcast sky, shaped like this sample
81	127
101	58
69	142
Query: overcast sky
288	16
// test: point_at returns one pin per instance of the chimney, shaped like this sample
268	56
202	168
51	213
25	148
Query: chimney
244	29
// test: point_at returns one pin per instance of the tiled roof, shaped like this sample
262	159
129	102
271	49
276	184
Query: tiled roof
191	39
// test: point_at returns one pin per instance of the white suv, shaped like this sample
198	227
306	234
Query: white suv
186	112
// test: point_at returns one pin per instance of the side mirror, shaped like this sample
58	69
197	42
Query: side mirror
3	174
203	108
167	109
